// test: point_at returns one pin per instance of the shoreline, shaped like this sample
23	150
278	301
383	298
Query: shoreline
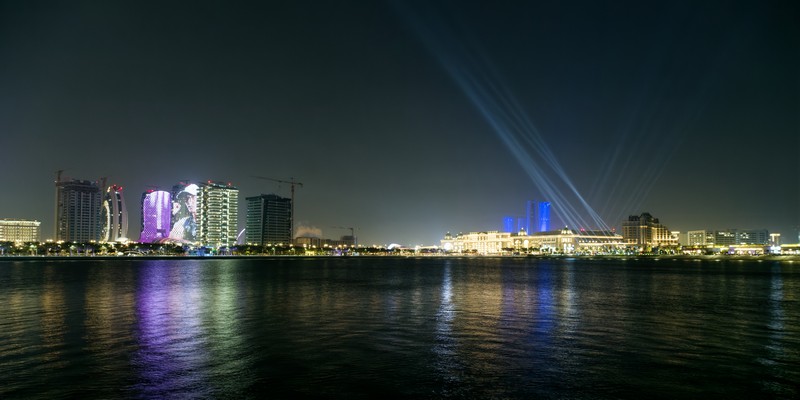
673	257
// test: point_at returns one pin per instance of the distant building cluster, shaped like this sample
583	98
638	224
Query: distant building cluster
201	214
206	214
640	234
198	214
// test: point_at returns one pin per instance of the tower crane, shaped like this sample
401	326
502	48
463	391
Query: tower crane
292	184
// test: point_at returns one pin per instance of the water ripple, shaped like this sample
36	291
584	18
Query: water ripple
414	328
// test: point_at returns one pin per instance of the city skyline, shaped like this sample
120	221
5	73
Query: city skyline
153	223
685	111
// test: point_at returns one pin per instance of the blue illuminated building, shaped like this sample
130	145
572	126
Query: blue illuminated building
514	224
508	224
543	217
530	215
536	218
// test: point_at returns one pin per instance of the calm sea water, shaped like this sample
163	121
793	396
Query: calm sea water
398	328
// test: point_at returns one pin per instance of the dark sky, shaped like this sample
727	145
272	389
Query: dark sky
688	111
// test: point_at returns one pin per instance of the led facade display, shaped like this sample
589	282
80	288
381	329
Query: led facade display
184	213
156	216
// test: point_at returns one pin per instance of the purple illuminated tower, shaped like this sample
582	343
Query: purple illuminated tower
156	216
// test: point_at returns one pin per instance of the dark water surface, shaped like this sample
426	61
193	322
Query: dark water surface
399	328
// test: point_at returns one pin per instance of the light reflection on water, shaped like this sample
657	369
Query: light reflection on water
421	328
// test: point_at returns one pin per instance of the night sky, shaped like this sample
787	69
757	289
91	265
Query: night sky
687	110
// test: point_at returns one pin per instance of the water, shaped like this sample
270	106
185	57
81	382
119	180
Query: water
398	328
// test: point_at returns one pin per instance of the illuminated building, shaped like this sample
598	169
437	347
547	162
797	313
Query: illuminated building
536	218
184	214
78	205
645	232
530	216
564	241
486	243
731	237
114	215
724	238
19	230
269	220
700	238
568	241
543	217
680	238
508	224
514	224
752	236
156	213
217	214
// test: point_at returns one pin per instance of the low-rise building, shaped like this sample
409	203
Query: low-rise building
19	230
486	243
564	241
730	237
700	238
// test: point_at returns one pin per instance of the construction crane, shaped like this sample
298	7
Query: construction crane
291	183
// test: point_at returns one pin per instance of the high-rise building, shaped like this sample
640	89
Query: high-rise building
508	224
530	216
184	214
514	224
543	217
156	216
217	214
77	210
646	232
19	230
269	219
114	215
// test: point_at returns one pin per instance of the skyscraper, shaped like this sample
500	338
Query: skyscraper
269	219
543	217
530	216
77	210
217	214
156	216
114	215
508	224
184	214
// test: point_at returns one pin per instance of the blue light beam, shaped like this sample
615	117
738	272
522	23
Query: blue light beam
481	84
